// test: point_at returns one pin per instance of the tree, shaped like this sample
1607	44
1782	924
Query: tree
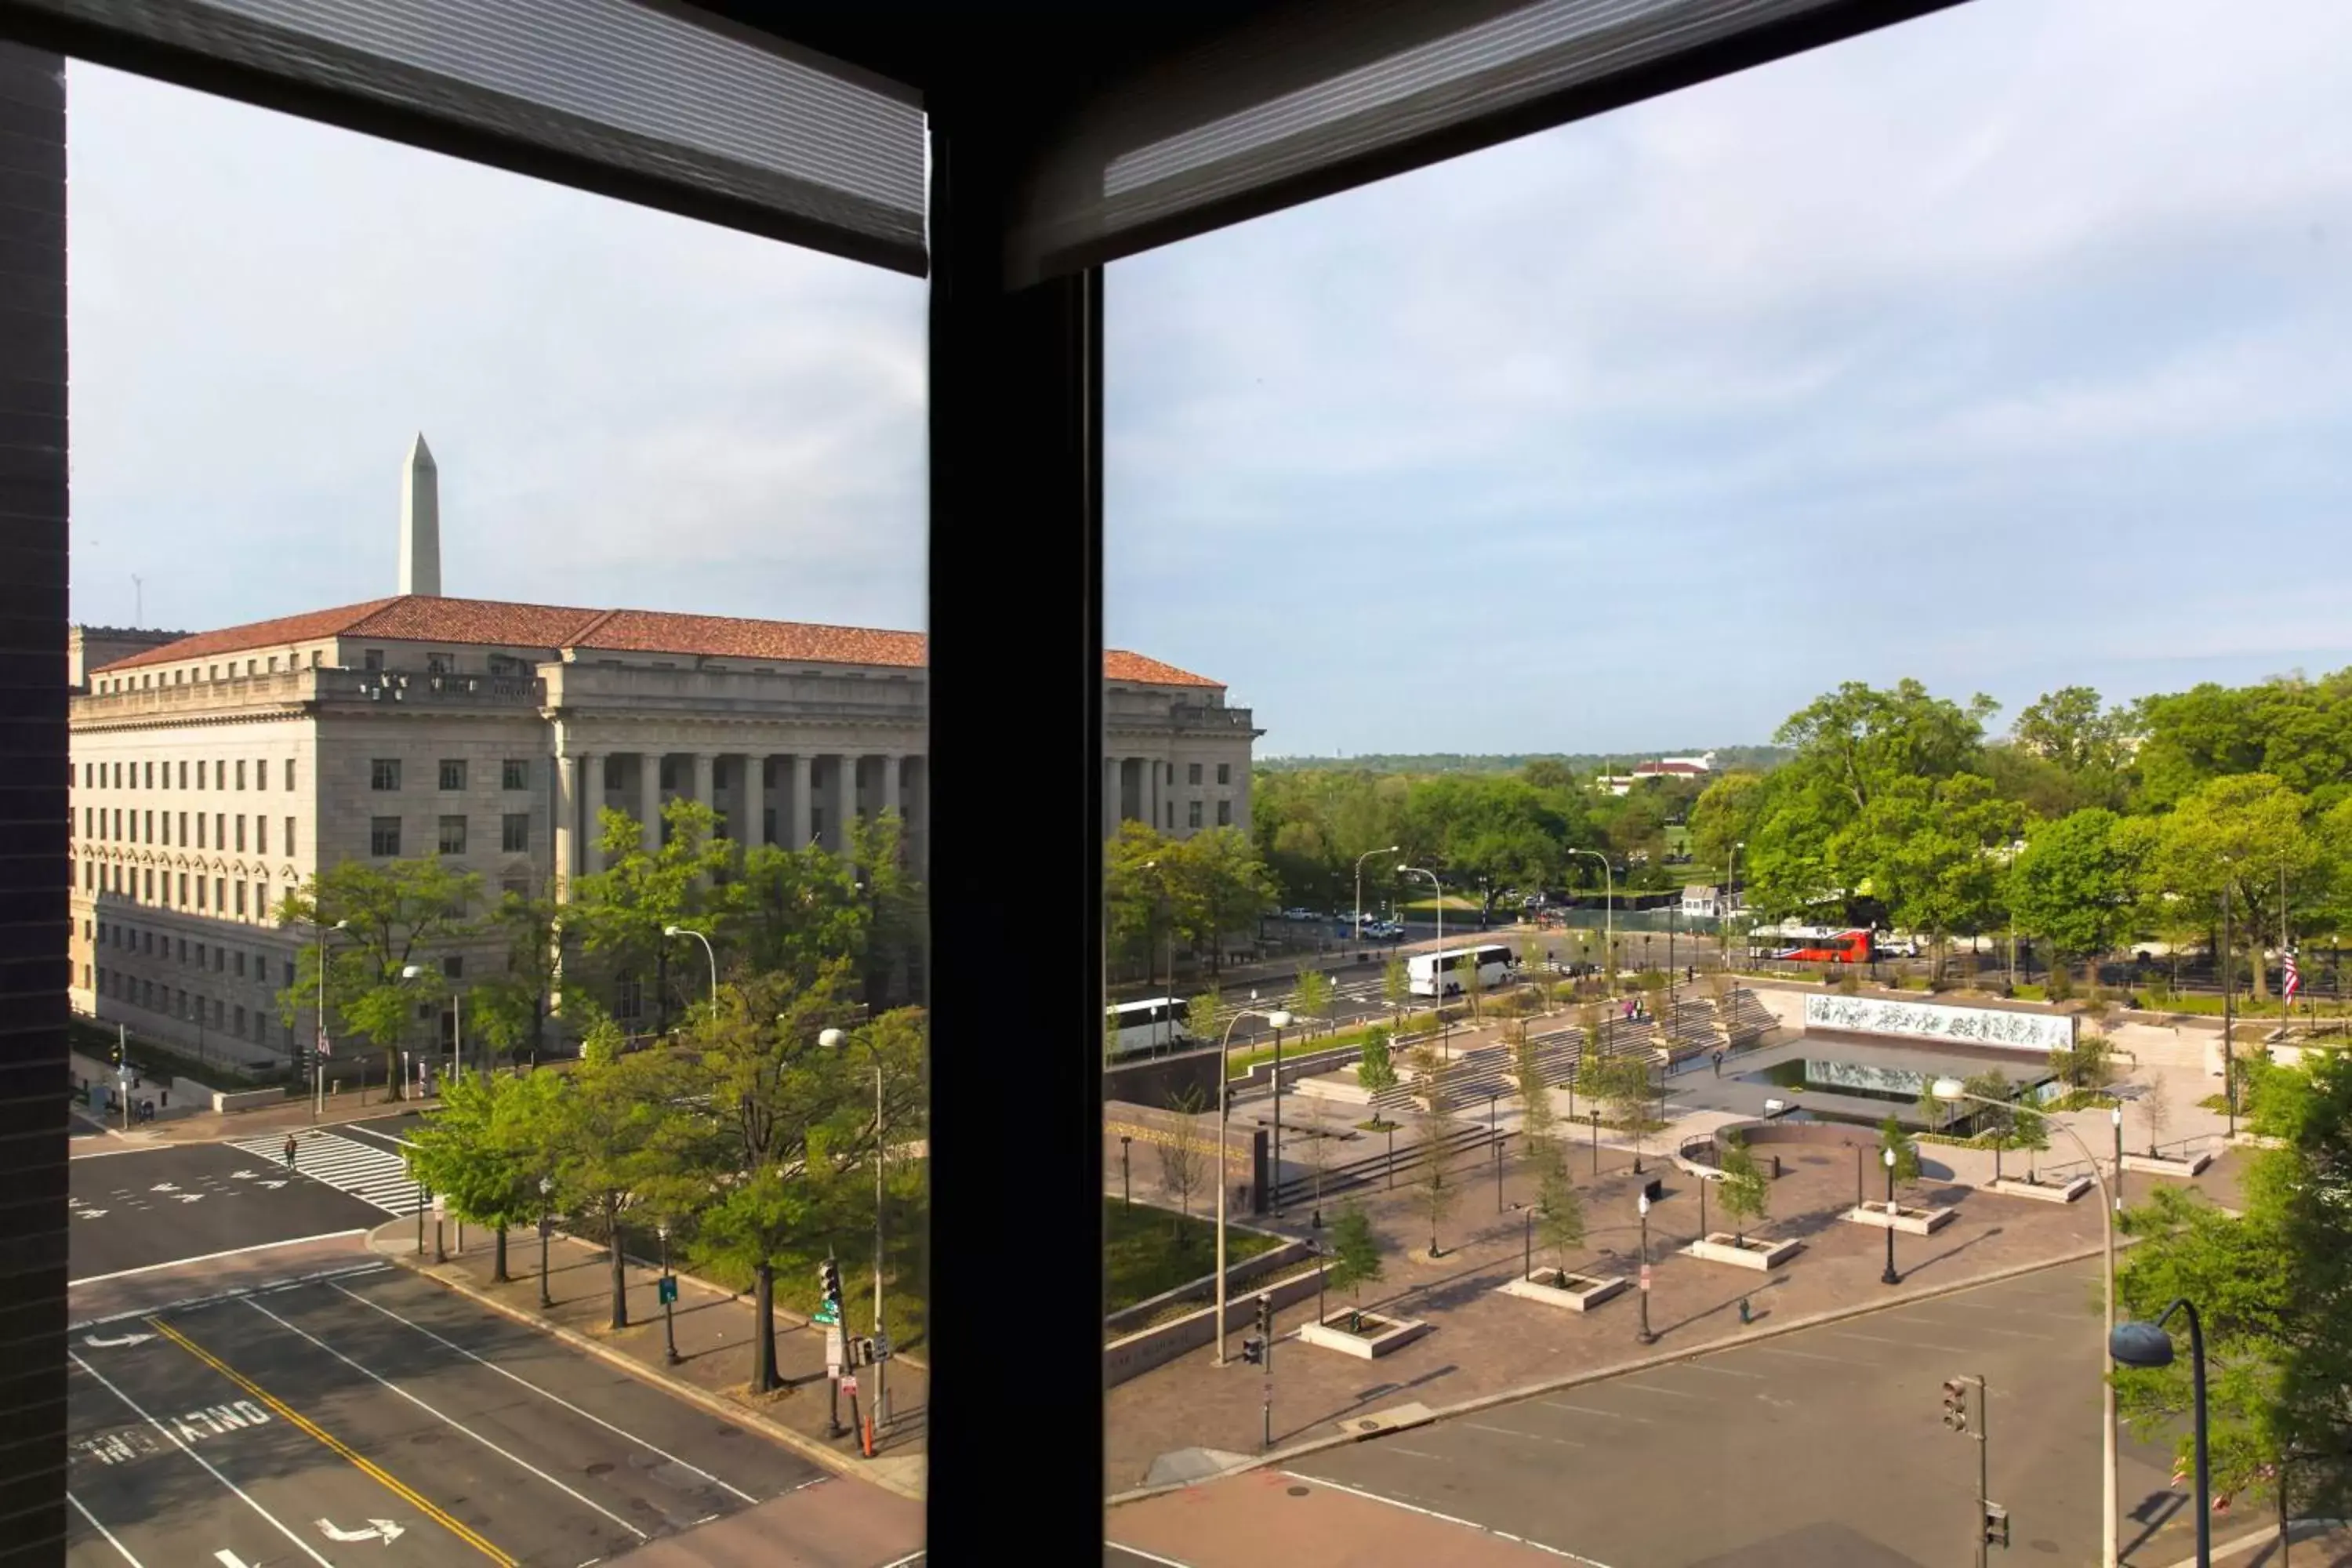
1744	1191
1355	1260
1206	1016
2273	1286
2067	727
1313	1000
1473	986
1185	1156
1997	1124
1377	1072
1560	1213
620	912
1396	987
1433	1195
2076	883
2245	832
395	913
487	1149
2085	1064
1906	1152
1430	1072
1927	849
510	1010
2155	1110
1535	1119
621	1140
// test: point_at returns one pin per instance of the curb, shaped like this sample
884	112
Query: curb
726	1409
1576	1379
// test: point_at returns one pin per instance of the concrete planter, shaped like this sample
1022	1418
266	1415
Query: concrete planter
1380	1334
2043	1192
1757	1252
1575	1292
1918	1222
2166	1165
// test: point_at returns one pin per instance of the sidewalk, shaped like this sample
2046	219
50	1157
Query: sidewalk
714	1332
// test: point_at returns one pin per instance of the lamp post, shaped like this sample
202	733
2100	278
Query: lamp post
832	1040
1596	1139
1367	855
411	972
1731	906
2115	1116
2147	1344
1437	960
670	1299
546	1223
1126	1185
318	1044
1279	1019
1644	1335
1608	914
708	952
1951	1091
1889	1276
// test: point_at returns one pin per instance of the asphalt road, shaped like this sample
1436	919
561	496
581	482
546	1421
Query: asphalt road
1824	1446
144	1208
379	1420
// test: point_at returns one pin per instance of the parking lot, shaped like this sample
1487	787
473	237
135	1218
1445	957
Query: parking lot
321	1422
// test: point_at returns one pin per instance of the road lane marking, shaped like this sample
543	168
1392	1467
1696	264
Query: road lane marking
334	1445
512	1458
238	1492
188	1303
1806	1355
1718	1371
1988	1328
1116	1546
543	1393
1907	1344
212	1257
1596	1410
121	1550
1447	1518
1669	1393
1515	1432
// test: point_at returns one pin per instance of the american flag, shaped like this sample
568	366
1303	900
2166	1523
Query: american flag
2292	977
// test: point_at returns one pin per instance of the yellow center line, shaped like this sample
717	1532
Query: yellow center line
340	1448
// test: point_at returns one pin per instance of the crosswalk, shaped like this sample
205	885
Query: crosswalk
368	1172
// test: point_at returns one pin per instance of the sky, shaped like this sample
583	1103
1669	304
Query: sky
2007	349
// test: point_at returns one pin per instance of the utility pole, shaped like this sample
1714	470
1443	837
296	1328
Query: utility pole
1992	1520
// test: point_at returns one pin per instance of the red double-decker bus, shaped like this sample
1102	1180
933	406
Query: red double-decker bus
1822	944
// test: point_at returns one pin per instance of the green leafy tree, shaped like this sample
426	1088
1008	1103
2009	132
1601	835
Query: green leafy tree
1434	1192
2069	728
1999	1126
1376	1072
1744	1191
2077	884
2245	832
1537	1124
1207	1016
511	1009
1927	849
620	913
1560	1212
1185	1156
1396	987
621	1141
2156	1110
1355	1260
1313	999
487	1147
396	914
1727	814
1906	1152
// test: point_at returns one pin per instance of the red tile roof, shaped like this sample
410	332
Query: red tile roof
456	622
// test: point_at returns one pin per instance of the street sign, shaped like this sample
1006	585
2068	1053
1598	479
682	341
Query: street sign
440	1206
881	1346
833	1351
668	1288
547	1227
1645	1277
848	1382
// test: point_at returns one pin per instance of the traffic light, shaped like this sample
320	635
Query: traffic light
1996	1525
1956	1403
1254	1351
828	1279
1266	1317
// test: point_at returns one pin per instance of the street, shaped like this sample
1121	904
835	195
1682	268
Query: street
318	1423
147	1208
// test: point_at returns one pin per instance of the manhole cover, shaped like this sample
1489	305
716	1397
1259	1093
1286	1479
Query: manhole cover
1295	1492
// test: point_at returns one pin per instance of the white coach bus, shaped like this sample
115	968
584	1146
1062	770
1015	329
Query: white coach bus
1155	1024
1493	960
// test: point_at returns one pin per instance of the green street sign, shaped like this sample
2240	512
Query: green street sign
668	1288
824	1314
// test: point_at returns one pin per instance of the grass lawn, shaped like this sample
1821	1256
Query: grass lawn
1146	1250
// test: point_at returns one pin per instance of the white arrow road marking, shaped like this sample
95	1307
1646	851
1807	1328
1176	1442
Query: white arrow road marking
382	1530
273	1186
116	1344
192	1197
243	1175
228	1560
163	1187
91	1214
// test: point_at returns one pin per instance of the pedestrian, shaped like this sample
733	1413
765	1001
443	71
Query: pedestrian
1745	1317
1718	1064
290	1151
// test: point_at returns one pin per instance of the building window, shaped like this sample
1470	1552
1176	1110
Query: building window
200	776
184	950
1193	813
240	1023
149	883
217	1006
1191	772
289	776
1224	814
453	968
200	831
240	899
240	833
240	774
384	772
1224	772
632	999
453	773
515	773
453	835
514	833
1170	815
372	659
287	847
183	896
200	904
260	833
384	836
240	964
440	664
183	827
184	775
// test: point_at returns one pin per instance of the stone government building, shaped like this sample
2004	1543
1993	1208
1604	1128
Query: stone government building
212	773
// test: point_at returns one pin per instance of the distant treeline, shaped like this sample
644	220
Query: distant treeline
1749	759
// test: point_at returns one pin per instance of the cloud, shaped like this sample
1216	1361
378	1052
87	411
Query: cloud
1970	335
627	407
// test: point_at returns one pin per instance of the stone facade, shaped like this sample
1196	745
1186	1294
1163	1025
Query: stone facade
213	774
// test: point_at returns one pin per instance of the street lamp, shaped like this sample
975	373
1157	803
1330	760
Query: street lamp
1951	1091
832	1040
318	1044
1367	855
546	1223
1889	1276
1280	1019
1608	914
1437	963
412	971
1646	1336
708	952
2147	1344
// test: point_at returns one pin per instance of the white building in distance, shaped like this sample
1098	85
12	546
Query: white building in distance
213	772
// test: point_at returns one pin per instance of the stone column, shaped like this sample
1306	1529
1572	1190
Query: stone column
753	801
649	800
804	785
705	783
890	789
1110	797
1148	797
564	814
585	796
